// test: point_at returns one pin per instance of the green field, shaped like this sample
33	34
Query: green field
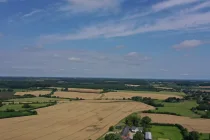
37	99
18	107
204	137
182	108
166	132
153	92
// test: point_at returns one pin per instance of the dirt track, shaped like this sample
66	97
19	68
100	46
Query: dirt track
200	125
77	120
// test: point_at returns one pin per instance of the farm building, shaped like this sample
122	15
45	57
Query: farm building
128	132
148	136
136	129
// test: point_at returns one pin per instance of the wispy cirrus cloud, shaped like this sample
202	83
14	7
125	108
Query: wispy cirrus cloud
188	44
81	6
171	3
32	13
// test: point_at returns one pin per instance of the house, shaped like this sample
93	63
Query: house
125	133
148	136
136	129
128	132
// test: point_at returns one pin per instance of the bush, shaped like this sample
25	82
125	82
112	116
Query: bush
111	128
113	137
1	104
26	106
170	113
138	136
133	120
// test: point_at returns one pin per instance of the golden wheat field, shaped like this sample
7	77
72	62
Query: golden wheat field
35	93
77	120
77	95
200	125
83	90
111	95
121	95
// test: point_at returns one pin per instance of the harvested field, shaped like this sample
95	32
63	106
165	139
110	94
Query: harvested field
200	125
111	95
83	90
79	95
204	87
36	93
121	95
81	120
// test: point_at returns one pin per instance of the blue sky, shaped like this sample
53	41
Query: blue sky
105	38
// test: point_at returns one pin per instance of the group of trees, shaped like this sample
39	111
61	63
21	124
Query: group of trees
173	100
132	120
147	100
7	90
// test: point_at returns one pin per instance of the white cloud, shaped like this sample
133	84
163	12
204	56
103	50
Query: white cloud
77	6
165	70
171	3
185	74
131	27
32	13
132	54
198	7
188	44
74	59
120	47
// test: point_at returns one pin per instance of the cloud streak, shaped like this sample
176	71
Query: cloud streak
188	44
82	6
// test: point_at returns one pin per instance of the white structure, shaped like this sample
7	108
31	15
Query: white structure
148	136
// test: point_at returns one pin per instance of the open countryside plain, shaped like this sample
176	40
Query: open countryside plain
69	121
200	125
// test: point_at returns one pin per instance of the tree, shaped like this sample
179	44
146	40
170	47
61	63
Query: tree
1	104
146	121
133	120
111	128
26	106
113	137
194	135
138	136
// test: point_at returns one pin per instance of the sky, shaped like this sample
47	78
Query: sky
158	39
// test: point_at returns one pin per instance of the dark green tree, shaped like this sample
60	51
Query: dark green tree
111	128
26	106
1	104
138	136
194	135
133	120
113	137
145	121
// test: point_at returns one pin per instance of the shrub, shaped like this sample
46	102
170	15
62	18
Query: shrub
26	106
113	137
111	128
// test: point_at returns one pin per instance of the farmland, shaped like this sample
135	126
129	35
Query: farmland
166	133
181	108
36	99
35	93
200	125
112	95
74	120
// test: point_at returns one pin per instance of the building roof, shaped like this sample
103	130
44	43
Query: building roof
148	136
125	131
137	128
